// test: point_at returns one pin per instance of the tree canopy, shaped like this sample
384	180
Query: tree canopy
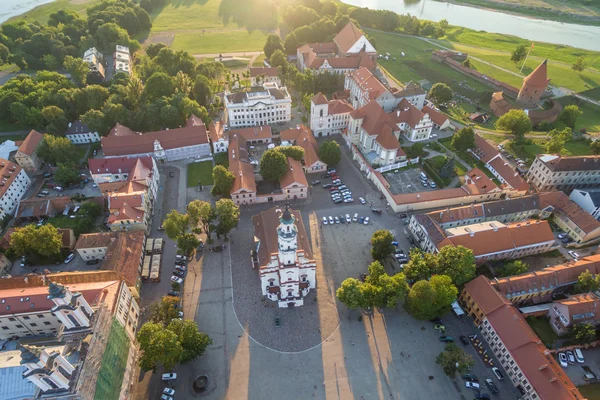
519	53
432	298
464	139
223	181
330	153
454	359
44	242
457	262
227	215
295	152
516	122
273	44
273	165
440	93
382	245
569	115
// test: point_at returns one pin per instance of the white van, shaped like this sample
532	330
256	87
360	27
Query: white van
579	356
423	176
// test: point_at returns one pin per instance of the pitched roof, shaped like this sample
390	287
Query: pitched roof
319	99
579	163
294	175
239	165
8	173
582	307
481	180
265	230
339	107
92	240
137	167
124	254
215	128
66	235
411	89
387	140
484	294
570	209
539	76
437	117
303	137
77	127
484	150
407	113
510	175
123	141
253	132
347	37
368	83
266	71
374	118
31	143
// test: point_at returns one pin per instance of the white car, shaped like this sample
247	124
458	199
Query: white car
337	220
176	279
348	219
165	397
69	258
366	221
180	315
355	218
562	358
169	391
362	201
169	377
179	257
576	256
331	220
325	221
562	235
472	385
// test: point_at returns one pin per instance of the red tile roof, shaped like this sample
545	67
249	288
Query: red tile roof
124	255
339	107
302	136
319	99
266	71
570	209
484	294
387	140
347	37
31	142
239	165
216	130
407	113
294	175
484	150
368	83
481	180
539	76
510	175
437	117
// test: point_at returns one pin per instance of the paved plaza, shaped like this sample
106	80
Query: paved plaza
322	350
407	181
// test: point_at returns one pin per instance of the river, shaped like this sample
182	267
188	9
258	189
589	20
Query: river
581	36
10	8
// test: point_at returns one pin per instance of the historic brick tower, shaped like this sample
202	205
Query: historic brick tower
534	86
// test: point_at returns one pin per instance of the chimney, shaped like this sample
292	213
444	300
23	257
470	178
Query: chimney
543	366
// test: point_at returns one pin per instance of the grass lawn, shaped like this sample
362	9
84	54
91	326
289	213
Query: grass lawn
42	13
259	61
235	64
591	391
221	159
590	119
542	328
200	171
63	222
219	41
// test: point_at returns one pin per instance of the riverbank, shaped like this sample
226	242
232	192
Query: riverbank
539	9
42	12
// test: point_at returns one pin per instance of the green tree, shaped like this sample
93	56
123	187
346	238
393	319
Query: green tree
464	139
569	115
385	290
457	262
159	346
350	293
467	63
96	121
382	245
183	83
202	91
223	180
595	147
583	333
519	54
444	24
454	359
440	93
554	145
420	302
90	209
273	44
228	215
187	242
153	49
30	240
586	282
164	311
445	293
420	266
77	68
513	268
176	224
56	122
56	149
83	225
203	213
278	59
295	152
159	85
66	174
580	64
330	153
516	122
273	165
193	342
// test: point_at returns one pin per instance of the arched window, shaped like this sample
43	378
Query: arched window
73	320
321	113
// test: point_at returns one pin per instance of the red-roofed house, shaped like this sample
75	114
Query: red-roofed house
293	183
26	156
351	41
303	137
415	125
263	75
364	87
328	117
440	121
13	185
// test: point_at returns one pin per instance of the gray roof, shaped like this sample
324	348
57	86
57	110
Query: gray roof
77	127
585	163
511	206
594	195
436	234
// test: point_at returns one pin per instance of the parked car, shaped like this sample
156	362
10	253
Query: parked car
180	257
432	184
498	374
169	377
169	391
179	273
472	385
424	183
324	176
355	217
377	211
366	221
324	220
576	256
173	293
176	279
337	220
315	183
570	357
470	377
69	258
348	219
348	200
166	397
562	235
481	395
327	185
490	384
362	201
331	221
446	339
402	215
180	267
361	220
566	240
342	219
338	201
464	340
579	356
331	170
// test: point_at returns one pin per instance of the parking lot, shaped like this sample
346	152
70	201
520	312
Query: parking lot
408	181
592	361
76	264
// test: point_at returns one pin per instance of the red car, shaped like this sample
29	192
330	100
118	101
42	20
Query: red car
333	188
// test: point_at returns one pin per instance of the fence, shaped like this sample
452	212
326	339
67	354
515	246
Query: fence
401	164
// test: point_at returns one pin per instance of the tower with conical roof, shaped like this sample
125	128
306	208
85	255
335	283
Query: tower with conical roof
534	86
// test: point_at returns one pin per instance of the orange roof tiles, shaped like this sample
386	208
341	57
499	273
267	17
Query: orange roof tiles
437	117
319	99
374	118
253	133
368	83
216	130
339	107
294	174
407	113
484	294
484	150
347	37
570	209
266	71
124	255
303	137
510	175
481	180
239	165
387	140
539	76
31	143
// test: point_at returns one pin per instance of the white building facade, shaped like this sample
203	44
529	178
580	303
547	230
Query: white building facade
328	117
14	182
269	106
288	274
589	200
79	133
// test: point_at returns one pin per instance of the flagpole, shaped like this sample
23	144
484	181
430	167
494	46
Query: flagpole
529	52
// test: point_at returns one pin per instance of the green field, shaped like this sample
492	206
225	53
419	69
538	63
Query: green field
222	159
200	171
41	13
591	391
219	42
590	119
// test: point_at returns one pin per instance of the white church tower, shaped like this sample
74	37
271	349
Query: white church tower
73	311
287	238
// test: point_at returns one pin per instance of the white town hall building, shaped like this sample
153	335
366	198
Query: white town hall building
283	256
